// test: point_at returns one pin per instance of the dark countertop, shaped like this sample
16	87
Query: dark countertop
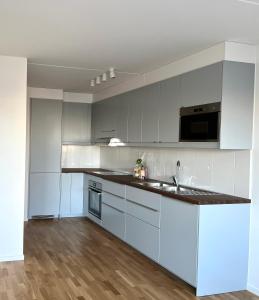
129	180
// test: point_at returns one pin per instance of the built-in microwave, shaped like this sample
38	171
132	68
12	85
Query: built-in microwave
200	123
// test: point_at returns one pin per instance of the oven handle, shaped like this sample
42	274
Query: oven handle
95	191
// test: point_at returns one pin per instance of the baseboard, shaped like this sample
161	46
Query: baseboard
253	289
12	258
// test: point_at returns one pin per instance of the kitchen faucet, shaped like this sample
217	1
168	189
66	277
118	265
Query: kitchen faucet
175	180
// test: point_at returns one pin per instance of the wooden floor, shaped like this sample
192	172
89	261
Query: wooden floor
75	259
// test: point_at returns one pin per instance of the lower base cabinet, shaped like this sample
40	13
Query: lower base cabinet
44	194
113	220
72	195
142	236
179	239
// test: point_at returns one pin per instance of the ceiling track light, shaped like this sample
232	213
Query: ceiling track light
110	74
104	77
98	80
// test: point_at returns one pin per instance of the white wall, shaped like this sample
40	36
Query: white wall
253	281
13	105
216	170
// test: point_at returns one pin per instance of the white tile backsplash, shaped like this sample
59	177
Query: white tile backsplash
223	171
80	156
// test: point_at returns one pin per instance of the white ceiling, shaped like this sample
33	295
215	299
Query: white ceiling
84	38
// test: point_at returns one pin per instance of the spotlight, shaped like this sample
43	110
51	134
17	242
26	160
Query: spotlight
104	77
112	73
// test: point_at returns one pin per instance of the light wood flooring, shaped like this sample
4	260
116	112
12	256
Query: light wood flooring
75	259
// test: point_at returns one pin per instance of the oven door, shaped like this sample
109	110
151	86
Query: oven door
95	203
200	127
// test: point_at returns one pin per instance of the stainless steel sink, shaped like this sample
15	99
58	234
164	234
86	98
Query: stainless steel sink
174	189
154	184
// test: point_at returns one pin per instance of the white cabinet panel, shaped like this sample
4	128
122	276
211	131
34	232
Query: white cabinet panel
113	188
44	194
143	237
150	108
113	220
202	86
143	213
77	197
114	201
134	99
76	122
223	248
142	197
169	110
65	194
179	238
45	143
72	195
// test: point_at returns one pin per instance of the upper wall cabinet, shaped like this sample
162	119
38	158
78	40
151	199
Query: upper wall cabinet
168	107
237	105
202	86
151	114
150	106
76	123
135	101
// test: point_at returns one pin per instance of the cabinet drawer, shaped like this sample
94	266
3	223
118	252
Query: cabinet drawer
113	220
114	201
145	198
143	213
143	237
114	188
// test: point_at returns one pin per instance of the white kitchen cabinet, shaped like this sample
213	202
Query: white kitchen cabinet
143	221
169	108
44	194
144	198
135	101
113	188
202	86
72	195
206	245
150	108
113	220
76	123
144	213
179	238
65	194
142	236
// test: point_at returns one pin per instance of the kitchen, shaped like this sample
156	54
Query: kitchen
137	185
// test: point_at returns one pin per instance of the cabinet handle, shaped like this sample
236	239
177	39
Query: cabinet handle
142	205
113	207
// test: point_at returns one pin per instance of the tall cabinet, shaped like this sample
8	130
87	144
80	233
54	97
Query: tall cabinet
45	156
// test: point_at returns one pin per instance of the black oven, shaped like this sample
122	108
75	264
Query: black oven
95	198
200	123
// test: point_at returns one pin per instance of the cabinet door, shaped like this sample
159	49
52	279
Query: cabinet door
77	197
202	86
134	99
76	122
113	220
150	106
169	108
44	194
142	236
179	238
45	143
122	118
65	195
